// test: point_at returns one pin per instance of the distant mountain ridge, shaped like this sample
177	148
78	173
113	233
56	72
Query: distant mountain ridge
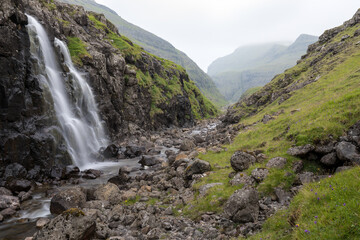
255	65
157	46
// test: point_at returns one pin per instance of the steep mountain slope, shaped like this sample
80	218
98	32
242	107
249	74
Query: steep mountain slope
306	113
253	66
134	90
158	47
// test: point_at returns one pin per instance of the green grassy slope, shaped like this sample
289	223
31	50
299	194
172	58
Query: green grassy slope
323	109
158	47
256	65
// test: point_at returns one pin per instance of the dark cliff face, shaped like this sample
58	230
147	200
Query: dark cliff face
135	91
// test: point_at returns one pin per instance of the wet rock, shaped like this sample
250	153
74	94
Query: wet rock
241	161
34	174
66	199
277	162
42	222
23	196
72	224
109	192
111	151
203	190
57	172
18	185
149	160
92	174
133	151
301	151
122	178
9	202
8	213
243	206
4	191
187	145
347	152
15	170
197	167
71	171
329	159
298	166
259	174
242	178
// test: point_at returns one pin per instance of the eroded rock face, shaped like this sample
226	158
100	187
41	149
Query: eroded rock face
69	198
243	206
241	161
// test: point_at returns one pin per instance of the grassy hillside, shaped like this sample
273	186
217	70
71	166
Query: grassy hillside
158	47
252	66
322	101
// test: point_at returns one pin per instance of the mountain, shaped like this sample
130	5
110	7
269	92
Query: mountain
299	136
256	65
158	47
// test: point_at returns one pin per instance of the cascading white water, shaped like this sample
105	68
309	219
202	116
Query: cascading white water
75	108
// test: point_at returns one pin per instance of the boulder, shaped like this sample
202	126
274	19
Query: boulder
243	206
347	152
308	177
149	160
18	185
259	174
241	161
72	224
298	166
42	222
71	171
324	149
329	159
197	167
15	170
66	199
109	192
300	151
9	202
92	174
7	213
283	197
187	145
57	172
133	151
203	190
277	162
122	178
4	191
242	178
111	151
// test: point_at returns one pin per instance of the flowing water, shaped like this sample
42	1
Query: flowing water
74	102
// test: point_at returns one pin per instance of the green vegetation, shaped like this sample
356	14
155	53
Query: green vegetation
48	4
158	47
323	109
250	92
77	49
325	210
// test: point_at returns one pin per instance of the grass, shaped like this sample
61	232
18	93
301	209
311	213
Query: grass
325	210
77	49
319	111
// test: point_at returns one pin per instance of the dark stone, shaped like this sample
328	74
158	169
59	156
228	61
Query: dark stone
187	145
66	199
347	152
134	151
93	172
15	170
149	160
34	174
9	202
241	161
57	172
197	167
301	151
71	171
18	185
8	213
111	151
329	159
243	206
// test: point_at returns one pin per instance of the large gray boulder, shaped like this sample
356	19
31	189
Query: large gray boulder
9	202
346	151
243	206
66	199
109	192
187	145
72	224
277	162
329	159
197	167
241	161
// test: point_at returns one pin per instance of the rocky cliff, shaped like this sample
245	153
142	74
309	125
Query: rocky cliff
135	91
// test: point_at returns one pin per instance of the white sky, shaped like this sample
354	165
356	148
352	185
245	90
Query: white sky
209	29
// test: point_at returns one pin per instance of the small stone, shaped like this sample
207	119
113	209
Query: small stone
301	151
329	159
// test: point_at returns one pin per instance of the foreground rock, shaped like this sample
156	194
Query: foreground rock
241	161
243	206
197	167
66	199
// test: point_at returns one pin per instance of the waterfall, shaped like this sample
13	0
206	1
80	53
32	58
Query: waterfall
74	102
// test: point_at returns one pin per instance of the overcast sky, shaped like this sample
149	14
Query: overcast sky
208	29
